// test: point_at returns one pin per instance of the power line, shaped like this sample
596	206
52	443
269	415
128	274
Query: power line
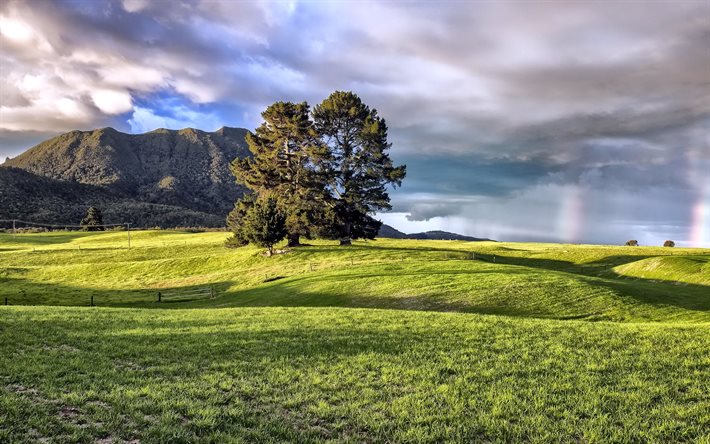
62	226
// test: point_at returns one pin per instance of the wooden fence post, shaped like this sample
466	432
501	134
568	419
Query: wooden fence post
159	296
5	300
92	300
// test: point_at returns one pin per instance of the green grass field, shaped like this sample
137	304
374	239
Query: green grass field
385	341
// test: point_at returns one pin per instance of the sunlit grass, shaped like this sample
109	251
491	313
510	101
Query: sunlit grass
532	280
550	343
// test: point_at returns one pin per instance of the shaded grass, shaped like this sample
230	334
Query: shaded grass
348	375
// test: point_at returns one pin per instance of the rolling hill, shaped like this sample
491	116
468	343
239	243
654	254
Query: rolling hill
384	341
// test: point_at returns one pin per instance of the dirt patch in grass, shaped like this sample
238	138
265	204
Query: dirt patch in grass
63	348
22	390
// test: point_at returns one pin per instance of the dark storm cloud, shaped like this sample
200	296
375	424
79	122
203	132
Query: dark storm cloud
471	175
496	107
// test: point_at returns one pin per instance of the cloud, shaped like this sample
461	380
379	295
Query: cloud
555	212
112	102
496	107
146	119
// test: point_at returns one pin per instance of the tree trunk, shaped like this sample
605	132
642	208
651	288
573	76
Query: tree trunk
294	240
346	240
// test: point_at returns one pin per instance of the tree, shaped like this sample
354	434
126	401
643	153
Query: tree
357	167
286	153
669	243
632	243
264	224
235	220
93	220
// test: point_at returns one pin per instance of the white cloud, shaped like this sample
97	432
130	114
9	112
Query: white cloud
146	119
134	5
16	30
112	101
563	85
197	91
72	109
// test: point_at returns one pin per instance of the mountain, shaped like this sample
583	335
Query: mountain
163	178
150	179
27	196
392	233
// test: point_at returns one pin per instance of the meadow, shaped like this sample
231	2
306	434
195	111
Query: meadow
384	341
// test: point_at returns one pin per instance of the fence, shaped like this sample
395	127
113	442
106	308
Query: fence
177	294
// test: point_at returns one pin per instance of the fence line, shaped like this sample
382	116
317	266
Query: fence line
38	224
14	227
190	293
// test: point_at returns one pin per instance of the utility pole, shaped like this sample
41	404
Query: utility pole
129	236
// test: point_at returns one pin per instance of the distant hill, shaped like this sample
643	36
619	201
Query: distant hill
387	231
161	178
27	196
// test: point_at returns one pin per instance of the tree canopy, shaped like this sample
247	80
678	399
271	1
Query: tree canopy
286	154
359	168
264	224
93	221
328	170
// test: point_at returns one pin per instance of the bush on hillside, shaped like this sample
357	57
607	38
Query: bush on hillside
632	243
669	243
264	224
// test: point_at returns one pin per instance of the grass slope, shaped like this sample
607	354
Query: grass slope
297	348
531	280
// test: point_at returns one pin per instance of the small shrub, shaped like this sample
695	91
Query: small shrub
93	221
632	243
265	224
669	243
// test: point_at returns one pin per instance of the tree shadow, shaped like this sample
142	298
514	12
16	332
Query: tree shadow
49	238
22	291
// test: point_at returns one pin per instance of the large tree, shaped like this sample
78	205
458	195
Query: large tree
286	152
358	166
93	220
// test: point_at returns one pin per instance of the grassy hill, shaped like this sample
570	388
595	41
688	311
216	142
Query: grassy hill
531	280
389	340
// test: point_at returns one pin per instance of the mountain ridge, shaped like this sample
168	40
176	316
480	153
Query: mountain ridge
187	168
160	178
390	232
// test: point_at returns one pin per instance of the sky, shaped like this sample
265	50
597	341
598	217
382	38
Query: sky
563	121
